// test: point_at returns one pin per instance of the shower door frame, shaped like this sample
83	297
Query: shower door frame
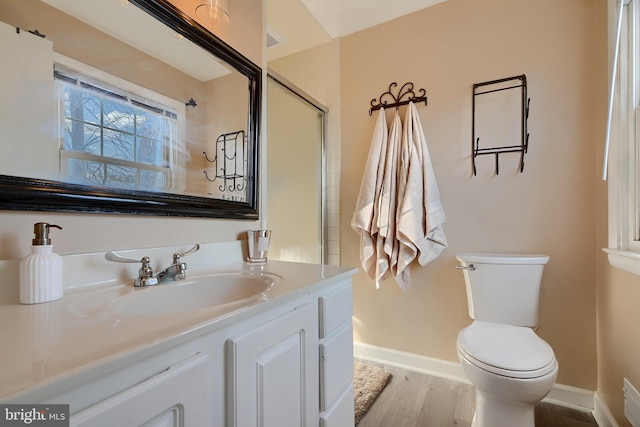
323	111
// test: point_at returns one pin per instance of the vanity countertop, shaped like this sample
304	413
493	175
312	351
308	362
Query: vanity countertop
43	343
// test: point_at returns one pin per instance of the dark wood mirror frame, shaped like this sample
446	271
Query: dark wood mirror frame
27	194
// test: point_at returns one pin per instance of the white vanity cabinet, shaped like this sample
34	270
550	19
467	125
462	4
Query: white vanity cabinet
286	361
297	369
335	311
272	373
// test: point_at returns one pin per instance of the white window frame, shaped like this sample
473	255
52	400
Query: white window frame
624	157
177	157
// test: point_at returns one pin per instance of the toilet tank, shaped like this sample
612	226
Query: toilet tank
503	288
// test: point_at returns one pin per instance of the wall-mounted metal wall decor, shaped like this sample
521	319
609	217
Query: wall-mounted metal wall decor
230	162
492	87
404	96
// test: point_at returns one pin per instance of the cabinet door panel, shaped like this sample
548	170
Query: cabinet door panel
176	397
272	373
281	382
336	365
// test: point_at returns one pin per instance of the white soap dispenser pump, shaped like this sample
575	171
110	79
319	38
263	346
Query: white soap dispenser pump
41	271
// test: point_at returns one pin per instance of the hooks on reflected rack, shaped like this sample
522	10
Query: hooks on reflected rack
405	95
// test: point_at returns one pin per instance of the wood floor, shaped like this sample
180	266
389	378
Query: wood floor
412	399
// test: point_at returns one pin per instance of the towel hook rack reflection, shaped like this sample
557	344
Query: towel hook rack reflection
405	95
230	161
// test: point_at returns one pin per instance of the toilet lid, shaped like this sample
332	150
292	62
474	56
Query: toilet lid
512	351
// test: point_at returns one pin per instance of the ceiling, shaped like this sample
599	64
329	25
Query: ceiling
136	28
301	24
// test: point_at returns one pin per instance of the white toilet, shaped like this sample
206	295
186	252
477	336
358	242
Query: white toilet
511	367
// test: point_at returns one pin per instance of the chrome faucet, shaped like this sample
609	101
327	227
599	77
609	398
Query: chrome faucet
176	271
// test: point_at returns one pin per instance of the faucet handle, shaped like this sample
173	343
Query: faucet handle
145	274
177	256
112	256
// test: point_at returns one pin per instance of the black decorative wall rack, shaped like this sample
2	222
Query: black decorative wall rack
509	83
230	162
405	95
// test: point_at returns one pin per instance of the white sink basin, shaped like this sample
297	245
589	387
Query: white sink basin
213	291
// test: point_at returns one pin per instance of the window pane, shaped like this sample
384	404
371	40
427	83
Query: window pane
150	152
149	126
121	177
81	137
81	105
118	145
118	116
85	172
151	181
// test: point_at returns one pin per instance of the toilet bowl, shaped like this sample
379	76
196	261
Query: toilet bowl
511	367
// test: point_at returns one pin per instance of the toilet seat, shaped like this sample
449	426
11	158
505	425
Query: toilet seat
506	350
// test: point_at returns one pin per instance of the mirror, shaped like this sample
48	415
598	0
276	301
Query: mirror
133	109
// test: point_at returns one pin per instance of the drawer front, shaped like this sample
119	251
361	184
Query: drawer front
342	413
336	365
177	397
335	308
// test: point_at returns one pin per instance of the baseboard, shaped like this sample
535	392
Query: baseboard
413	362
563	395
602	414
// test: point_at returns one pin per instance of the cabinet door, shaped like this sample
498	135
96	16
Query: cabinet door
176	397
336	365
272	373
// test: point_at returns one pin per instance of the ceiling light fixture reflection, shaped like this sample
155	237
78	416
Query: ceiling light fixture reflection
214	13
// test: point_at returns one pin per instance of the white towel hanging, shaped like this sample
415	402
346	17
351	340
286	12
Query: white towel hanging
398	212
365	218
387	241
420	215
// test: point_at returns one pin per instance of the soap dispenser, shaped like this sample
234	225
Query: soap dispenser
41	271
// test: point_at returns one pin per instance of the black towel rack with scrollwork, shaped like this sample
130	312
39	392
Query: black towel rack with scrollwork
405	95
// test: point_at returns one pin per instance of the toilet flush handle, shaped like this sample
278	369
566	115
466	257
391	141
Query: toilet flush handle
469	267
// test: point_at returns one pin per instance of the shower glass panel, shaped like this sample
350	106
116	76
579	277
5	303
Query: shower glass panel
295	184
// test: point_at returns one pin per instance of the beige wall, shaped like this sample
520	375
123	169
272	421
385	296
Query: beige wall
547	209
94	232
227	113
565	61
